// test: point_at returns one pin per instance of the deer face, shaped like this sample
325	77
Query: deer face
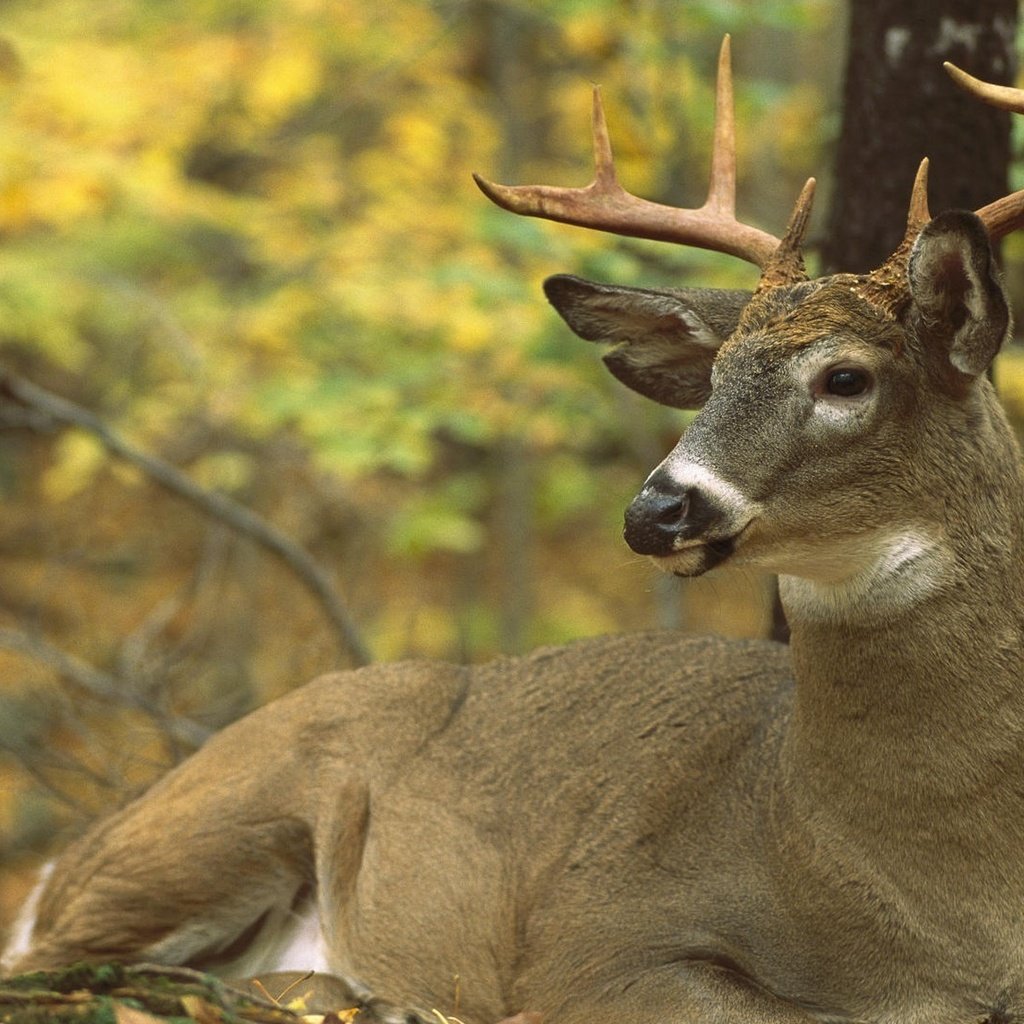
806	396
820	440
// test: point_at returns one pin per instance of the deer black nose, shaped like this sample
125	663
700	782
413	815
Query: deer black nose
655	518
666	511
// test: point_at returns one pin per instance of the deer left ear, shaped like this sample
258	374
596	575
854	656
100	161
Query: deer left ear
955	286
663	340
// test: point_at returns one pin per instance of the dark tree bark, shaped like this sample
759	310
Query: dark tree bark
899	106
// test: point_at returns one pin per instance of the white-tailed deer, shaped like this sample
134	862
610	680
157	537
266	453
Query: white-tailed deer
657	829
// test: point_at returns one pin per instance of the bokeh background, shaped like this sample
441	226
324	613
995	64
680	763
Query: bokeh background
244	242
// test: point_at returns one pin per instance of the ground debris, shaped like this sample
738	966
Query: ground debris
140	994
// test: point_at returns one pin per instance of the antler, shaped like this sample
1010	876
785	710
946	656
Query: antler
886	287
1006	214
1003	96
604	204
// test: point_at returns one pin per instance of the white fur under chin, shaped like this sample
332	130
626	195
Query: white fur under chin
889	573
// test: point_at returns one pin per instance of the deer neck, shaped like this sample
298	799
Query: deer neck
910	671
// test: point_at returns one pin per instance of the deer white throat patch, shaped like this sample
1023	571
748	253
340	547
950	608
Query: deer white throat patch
886	573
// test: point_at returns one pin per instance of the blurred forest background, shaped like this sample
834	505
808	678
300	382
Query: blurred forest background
244	249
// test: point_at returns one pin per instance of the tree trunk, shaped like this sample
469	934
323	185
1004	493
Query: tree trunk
899	106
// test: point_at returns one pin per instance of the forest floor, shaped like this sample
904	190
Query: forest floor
144	994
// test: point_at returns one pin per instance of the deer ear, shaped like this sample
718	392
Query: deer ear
956	288
664	341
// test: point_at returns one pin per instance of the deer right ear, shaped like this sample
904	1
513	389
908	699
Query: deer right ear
665	341
956	288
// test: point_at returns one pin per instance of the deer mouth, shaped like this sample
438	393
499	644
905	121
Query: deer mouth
696	557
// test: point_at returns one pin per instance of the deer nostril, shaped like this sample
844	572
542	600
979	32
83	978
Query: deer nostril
655	519
668	509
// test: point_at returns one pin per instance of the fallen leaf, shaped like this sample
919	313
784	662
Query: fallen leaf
129	1015
202	1011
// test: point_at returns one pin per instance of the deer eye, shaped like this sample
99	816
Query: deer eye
848	382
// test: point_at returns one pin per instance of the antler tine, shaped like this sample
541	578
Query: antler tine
1006	214
886	286
604	160
787	263
604	204
722	189
918	215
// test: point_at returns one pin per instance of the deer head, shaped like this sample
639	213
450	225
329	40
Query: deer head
814	454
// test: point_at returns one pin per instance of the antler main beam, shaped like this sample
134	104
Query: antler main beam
604	204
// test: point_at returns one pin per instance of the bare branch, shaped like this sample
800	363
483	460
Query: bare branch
241	519
100	684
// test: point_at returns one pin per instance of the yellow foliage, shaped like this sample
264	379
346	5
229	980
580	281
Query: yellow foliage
223	471
590	31
472	329
1009	378
426	628
288	74
270	327
78	457
793	127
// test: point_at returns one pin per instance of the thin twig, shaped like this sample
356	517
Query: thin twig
221	507
34	772
99	684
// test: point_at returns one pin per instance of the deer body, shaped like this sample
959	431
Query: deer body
657	829
584	869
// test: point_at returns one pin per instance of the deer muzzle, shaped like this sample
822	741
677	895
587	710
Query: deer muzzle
667	517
